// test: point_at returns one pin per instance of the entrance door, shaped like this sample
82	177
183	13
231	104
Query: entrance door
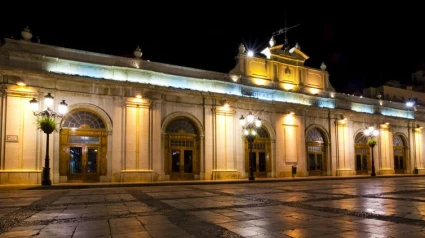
362	159
259	164
399	155
361	164
399	164
182	164
83	163
260	158
315	164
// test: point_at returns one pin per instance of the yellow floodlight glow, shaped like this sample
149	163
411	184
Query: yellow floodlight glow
314	91
288	86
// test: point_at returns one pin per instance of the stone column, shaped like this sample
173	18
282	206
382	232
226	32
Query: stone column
137	166
224	140
344	161
386	152
418	154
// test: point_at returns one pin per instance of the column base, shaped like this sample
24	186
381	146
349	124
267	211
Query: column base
386	171
225	174
344	172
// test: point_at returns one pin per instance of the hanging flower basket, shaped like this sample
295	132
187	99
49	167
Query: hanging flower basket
46	124
371	142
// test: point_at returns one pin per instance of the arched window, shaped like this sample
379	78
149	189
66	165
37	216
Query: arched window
314	135
398	141
181	124
262	132
80	119
360	139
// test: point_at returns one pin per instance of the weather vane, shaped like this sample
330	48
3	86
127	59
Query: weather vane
284	31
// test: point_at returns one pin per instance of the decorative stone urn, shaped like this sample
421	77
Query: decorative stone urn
137	52
26	34
323	66
241	48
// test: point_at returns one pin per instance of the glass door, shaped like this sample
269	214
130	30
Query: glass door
182	164
399	161
90	164
362	160
315	165
259	157
83	163
75	163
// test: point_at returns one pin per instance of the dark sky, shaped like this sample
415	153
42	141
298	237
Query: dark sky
362	45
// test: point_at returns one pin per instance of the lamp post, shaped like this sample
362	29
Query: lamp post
372	133
46	121
250	126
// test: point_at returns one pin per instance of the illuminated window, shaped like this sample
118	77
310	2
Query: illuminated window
314	135
360	139
181	124
79	118
262	132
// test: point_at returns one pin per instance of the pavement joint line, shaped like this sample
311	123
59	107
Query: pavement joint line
191	224
14	218
89	203
82	219
302	204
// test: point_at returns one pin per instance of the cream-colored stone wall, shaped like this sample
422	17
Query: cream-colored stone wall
136	127
135	145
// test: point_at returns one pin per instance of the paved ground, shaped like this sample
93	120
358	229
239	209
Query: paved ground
372	207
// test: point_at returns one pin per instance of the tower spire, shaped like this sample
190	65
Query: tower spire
284	31
286	42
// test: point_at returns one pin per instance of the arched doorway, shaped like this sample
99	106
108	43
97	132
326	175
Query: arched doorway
182	150
362	151
83	146
399	155
261	155
316	153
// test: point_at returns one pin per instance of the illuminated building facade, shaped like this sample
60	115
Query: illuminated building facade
131	120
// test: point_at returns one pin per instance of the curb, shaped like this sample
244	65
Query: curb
201	182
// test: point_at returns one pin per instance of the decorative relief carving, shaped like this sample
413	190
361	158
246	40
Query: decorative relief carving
287	71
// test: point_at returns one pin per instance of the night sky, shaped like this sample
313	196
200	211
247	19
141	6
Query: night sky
362	45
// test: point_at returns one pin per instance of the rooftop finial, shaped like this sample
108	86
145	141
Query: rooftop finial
241	48
26	33
323	66
137	52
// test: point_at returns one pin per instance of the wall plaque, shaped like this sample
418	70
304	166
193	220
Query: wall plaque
11	138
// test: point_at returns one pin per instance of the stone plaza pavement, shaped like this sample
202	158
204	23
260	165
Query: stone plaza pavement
368	207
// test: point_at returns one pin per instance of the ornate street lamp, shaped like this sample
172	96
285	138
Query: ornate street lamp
371	133
250	126
46	121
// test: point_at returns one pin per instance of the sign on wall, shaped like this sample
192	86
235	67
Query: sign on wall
11	138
